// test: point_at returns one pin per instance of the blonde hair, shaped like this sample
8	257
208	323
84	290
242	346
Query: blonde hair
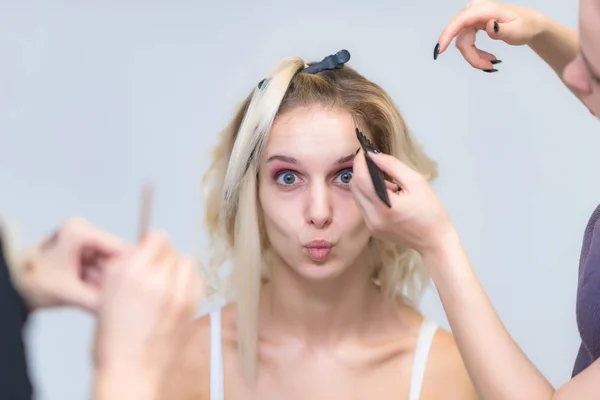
232	209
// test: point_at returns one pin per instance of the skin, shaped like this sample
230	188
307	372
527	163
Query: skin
496	364
144	298
575	57
149	300
66	269
583	73
418	219
316	340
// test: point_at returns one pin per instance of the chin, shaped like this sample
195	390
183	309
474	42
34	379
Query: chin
321	271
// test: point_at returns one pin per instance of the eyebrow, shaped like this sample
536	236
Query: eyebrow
595	74
292	160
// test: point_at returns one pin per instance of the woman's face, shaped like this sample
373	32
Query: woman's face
310	216
583	73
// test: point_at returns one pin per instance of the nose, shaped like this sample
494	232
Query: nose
577	76
319	208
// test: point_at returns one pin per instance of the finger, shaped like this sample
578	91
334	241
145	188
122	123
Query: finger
364	190
170	267
488	56
361	182
116	268
369	205
188	288
392	186
478	15
507	31
156	247
92	275
86	297
465	42
84	234
400	172
365	203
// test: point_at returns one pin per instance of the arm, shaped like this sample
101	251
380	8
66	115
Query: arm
148	302
13	362
42	277
556	44
497	366
418	220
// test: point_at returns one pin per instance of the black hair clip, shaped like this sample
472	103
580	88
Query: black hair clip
333	61
376	175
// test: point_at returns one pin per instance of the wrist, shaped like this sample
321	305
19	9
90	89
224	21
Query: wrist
444	258
542	29
23	278
443	240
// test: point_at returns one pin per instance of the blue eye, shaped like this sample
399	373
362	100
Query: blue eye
287	178
345	177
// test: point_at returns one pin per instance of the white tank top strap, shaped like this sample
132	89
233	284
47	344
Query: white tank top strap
426	335
217	391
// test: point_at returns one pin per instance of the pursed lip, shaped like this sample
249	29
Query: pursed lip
319	244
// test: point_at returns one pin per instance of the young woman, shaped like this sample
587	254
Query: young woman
418	220
323	310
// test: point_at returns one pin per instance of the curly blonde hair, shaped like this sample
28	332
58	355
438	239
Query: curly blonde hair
232	209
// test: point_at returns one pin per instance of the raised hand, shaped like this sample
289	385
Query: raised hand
416	219
149	300
67	268
511	24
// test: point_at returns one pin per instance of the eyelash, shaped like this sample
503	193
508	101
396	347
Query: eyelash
290	186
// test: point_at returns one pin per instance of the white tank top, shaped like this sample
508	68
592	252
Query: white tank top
217	391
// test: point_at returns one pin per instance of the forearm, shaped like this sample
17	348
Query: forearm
130	385
496	364
556	44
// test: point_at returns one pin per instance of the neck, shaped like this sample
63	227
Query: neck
318	312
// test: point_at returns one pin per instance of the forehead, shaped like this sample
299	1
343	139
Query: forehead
316	128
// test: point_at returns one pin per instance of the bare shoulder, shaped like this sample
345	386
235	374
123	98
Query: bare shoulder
445	374
189	378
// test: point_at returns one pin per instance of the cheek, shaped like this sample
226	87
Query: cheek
351	222
281	215
577	76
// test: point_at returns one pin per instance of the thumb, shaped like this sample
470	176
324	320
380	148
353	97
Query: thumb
395	168
85	296
508	32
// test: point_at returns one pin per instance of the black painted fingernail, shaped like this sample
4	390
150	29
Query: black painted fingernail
496	26
490	70
436	51
357	150
494	62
